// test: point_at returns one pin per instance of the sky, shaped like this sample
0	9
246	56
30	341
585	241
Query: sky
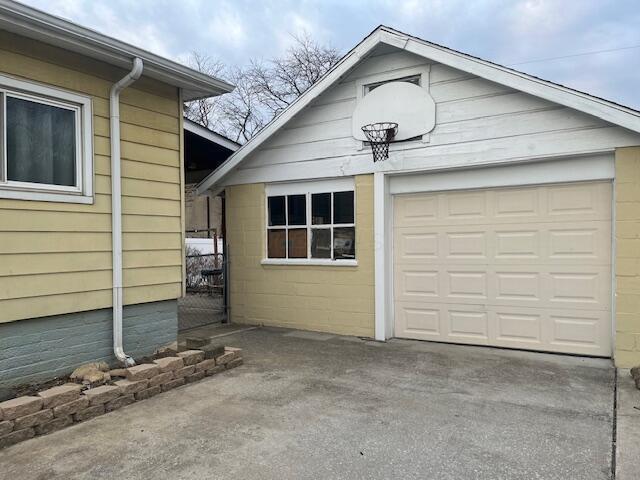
504	31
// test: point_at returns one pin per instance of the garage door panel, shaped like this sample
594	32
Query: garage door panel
559	330
539	286
468	325
563	331
464	206
417	245
576	329
518	244
573	202
526	268
465	245
580	287
581	242
518	286
555	203
513	203
418	209
418	283
419	320
466	284
517	328
544	243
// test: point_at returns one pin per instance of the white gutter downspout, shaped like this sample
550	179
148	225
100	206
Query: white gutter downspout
116	208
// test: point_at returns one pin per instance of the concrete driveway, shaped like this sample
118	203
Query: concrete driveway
314	406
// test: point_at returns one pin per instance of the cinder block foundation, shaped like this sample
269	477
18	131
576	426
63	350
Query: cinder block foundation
43	348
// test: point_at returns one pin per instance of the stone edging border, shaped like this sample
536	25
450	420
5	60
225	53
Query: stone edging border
49	410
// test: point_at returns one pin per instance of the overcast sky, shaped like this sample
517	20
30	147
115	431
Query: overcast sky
507	31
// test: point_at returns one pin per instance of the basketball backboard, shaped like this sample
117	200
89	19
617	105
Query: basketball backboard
407	104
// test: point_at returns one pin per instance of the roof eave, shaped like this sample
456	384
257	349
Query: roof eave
33	23
210	135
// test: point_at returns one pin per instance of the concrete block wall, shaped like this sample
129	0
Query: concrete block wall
321	298
42	348
627	228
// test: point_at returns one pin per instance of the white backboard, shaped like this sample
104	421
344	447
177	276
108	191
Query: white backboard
407	104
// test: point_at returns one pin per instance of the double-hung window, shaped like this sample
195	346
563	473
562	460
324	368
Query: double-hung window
45	139
311	222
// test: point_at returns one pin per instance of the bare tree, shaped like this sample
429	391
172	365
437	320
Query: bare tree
205	111
263	89
240	112
280	81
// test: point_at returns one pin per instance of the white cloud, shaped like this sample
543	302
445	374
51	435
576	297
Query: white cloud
508	32
227	26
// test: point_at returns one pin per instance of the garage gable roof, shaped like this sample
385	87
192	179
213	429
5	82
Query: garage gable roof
604	109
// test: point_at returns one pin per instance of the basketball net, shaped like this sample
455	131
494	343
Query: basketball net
379	136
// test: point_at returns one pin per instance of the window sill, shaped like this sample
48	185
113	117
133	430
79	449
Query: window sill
309	262
46	196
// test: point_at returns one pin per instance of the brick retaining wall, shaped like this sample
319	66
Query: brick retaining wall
58	407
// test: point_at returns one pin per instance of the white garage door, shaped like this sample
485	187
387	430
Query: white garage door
525	267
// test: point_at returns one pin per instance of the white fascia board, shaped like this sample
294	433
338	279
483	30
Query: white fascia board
342	67
609	111
207	134
30	22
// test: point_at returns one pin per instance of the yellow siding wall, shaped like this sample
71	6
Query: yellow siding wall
56	258
627	351
328	299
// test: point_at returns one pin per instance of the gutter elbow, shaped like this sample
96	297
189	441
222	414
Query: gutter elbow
133	75
136	71
125	359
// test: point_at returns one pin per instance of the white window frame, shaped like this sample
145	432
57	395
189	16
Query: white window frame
362	89
81	105
308	189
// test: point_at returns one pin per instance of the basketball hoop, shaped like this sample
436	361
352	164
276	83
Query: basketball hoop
379	136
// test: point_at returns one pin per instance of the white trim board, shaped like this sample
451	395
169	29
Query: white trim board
597	167
603	109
